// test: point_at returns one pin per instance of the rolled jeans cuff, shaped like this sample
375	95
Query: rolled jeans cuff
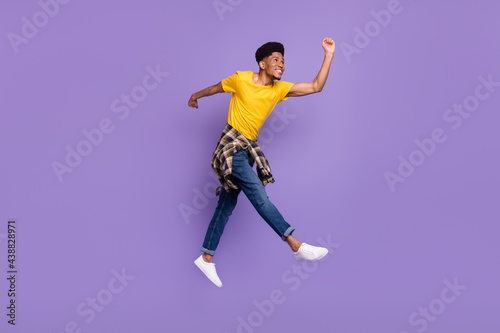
207	251
287	233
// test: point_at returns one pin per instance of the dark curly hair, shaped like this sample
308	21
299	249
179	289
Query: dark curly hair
268	49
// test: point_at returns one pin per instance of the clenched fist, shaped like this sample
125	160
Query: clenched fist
328	45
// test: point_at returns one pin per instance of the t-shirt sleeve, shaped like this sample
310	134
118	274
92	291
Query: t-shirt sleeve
284	89
229	84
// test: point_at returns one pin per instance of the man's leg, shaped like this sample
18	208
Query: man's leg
253	188
225	206
293	242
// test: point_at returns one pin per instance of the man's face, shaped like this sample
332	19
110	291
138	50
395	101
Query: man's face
274	65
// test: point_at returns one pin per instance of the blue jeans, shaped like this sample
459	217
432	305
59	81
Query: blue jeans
248	181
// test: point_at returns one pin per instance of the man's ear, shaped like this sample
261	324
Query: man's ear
262	65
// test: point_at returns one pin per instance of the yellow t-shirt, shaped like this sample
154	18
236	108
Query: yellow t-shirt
252	103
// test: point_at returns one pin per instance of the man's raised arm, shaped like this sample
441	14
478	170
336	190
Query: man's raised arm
215	89
306	88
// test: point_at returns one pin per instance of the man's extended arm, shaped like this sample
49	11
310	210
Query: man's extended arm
215	89
306	88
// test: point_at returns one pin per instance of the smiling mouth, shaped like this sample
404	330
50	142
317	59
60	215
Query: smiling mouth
279	71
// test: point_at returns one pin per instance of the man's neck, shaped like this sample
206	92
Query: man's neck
263	79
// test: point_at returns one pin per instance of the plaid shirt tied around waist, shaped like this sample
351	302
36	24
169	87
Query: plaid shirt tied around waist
231	141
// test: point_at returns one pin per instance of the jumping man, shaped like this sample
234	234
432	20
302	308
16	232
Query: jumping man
254	96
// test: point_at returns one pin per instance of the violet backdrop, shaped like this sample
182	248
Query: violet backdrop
394	166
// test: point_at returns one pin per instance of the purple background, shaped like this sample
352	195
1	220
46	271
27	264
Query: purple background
121	207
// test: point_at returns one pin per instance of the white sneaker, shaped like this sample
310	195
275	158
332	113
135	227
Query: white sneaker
308	252
209	270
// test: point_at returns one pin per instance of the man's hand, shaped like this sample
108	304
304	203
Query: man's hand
306	88
193	102
215	89
328	45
